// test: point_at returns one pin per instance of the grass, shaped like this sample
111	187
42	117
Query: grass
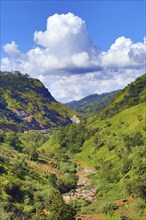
105	150
114	146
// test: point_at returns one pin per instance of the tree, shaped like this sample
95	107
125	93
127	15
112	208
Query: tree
33	154
59	210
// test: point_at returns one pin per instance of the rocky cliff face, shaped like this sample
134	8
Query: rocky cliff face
76	119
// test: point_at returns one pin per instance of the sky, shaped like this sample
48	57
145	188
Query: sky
76	48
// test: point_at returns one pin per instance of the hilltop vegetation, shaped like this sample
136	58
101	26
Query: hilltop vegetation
26	104
114	144
91	104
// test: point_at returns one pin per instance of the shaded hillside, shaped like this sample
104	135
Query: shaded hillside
115	146
92	103
26	104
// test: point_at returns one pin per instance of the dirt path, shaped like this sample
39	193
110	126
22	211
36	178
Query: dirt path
84	189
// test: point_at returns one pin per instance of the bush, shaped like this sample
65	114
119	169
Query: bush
109	208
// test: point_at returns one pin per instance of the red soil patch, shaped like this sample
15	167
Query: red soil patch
82	163
90	217
124	201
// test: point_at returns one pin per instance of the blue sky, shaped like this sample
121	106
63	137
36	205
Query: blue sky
105	20
97	47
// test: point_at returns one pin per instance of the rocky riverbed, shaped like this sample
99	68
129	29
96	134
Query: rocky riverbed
84	189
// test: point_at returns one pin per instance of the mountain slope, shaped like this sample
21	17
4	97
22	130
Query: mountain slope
132	94
26	103
92	103
115	146
30	187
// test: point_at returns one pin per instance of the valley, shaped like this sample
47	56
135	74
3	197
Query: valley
52	168
92	104
85	191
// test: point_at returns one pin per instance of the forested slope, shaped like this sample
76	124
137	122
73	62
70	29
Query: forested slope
26	104
91	104
114	144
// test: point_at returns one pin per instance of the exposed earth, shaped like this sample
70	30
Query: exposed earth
84	190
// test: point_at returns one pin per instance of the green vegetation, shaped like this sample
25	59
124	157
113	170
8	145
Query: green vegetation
92	104
25	104
70	138
114	144
132	95
36	169
27	192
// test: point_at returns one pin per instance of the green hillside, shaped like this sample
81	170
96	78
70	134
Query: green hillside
92	103
30	186
114	145
26	104
133	94
107	152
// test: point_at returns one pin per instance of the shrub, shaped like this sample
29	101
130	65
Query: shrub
109	208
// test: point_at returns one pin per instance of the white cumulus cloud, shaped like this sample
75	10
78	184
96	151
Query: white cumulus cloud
76	87
11	49
65	34
63	48
124	54
70	65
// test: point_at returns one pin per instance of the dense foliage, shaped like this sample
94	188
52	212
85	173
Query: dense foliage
92	104
36	169
71	138
26	192
25	100
115	147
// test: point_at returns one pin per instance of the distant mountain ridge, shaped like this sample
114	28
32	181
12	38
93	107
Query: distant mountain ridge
26	104
92	103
